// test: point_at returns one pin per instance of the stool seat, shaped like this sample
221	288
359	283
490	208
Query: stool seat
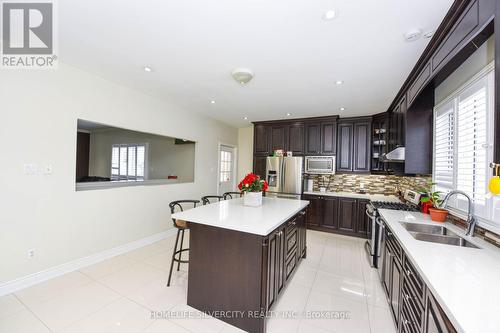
181	226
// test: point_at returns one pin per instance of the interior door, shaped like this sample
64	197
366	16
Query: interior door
226	169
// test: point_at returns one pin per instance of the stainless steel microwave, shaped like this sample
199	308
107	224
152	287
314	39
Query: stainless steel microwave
324	165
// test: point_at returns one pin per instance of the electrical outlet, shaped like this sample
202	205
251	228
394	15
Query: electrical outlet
31	254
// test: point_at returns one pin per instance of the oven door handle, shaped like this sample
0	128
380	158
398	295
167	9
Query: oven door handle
368	214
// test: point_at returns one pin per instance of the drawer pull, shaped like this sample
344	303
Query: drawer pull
302	213
408	272
407	297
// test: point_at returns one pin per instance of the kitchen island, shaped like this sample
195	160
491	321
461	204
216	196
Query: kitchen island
241	258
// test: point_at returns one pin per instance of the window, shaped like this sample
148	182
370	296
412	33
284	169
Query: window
128	162
463	131
225	166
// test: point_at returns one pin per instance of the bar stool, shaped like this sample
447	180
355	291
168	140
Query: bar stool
181	226
208	199
229	195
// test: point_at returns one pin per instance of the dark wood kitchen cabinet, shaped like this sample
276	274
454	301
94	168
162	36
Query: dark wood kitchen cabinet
347	215
279	137
413	307
261	139
295	138
436	320
259	166
354	145
285	247
363	224
313	138
330	211
328	138
340	215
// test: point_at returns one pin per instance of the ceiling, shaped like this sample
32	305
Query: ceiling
296	56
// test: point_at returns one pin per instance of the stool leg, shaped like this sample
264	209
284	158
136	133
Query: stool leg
180	253
173	257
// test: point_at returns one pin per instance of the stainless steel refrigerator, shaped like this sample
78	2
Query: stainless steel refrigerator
284	176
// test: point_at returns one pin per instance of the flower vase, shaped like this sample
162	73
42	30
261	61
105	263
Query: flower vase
252	199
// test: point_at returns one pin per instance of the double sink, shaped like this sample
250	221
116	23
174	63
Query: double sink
436	234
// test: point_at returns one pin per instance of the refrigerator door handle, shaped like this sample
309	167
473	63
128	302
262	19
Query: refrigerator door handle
283	169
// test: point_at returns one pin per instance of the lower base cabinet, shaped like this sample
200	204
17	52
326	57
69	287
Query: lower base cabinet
283	249
413	307
340	215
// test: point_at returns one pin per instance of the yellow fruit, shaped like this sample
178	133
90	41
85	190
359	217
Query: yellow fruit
494	185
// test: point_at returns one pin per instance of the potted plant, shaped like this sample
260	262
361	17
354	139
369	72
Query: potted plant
252	186
431	202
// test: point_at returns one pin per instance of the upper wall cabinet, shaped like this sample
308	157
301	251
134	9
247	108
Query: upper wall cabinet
354	145
261	143
295	138
279	137
328	137
313	138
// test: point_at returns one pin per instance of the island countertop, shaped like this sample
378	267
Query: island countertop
233	215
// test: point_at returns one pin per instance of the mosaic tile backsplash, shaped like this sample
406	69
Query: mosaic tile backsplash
371	184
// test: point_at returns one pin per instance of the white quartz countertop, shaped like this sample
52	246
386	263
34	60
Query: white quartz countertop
373	197
233	215
465	281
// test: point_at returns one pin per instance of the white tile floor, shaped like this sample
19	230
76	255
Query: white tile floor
119	294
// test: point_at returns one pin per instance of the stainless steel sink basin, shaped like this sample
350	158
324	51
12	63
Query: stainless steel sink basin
428	229
436	234
453	240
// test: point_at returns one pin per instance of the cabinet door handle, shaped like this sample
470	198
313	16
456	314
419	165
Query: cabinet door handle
407	297
302	213
408	272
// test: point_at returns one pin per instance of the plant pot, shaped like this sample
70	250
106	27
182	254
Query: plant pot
438	215
252	199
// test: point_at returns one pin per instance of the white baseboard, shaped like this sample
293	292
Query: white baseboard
35	278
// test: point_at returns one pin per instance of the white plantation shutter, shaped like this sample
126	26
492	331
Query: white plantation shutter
444	146
128	161
462	153
472	145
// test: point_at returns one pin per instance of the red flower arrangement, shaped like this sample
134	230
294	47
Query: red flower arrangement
253	183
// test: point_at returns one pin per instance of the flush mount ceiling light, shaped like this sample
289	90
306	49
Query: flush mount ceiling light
342	109
339	82
245	118
288	114
413	35
212	102
147	69
329	15
242	75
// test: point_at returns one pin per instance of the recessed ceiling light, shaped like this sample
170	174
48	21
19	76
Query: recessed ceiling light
213	102
342	109
339	82
245	118
288	114
147	69
330	15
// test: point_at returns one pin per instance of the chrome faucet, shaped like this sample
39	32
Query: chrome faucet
471	222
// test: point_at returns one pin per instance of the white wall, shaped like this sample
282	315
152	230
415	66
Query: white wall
44	212
473	65
245	151
163	155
